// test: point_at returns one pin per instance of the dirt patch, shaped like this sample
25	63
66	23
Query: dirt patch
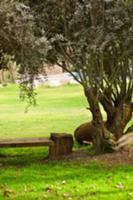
123	157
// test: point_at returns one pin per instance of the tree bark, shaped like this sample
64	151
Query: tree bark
103	140
121	116
119	112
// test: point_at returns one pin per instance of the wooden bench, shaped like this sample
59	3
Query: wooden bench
59	144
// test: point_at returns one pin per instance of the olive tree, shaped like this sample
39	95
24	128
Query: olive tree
95	39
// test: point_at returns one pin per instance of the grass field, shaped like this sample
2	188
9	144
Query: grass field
25	175
59	110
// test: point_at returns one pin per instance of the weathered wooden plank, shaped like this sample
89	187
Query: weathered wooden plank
25	142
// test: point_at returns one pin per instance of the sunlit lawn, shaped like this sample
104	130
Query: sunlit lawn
24	175
58	110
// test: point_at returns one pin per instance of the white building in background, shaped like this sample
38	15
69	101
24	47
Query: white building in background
51	76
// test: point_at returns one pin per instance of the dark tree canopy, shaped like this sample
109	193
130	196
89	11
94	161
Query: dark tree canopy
91	37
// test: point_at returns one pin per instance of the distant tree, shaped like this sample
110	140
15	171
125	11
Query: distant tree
18	38
91	37
17	34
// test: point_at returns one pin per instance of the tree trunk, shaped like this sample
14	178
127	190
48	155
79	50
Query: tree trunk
106	134
11	70
103	140
1	76
119	112
121	117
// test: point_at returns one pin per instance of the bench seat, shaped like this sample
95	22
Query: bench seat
25	142
59	144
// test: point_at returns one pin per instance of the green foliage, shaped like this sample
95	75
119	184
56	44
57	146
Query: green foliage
17	35
19	38
94	38
27	93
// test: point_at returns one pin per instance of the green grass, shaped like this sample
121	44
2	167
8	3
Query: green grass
26	175
58	110
65	180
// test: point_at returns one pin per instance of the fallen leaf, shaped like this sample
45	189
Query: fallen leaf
59	188
130	193
2	186
67	196
7	192
49	188
119	185
26	188
93	186
63	182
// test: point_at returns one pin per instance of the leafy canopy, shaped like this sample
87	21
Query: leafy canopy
91	37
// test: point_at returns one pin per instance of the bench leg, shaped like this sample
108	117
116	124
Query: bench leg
62	145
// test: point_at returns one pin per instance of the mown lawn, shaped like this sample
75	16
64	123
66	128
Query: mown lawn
58	110
26	175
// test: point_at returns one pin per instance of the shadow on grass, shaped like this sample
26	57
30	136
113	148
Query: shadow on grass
26	156
22	156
